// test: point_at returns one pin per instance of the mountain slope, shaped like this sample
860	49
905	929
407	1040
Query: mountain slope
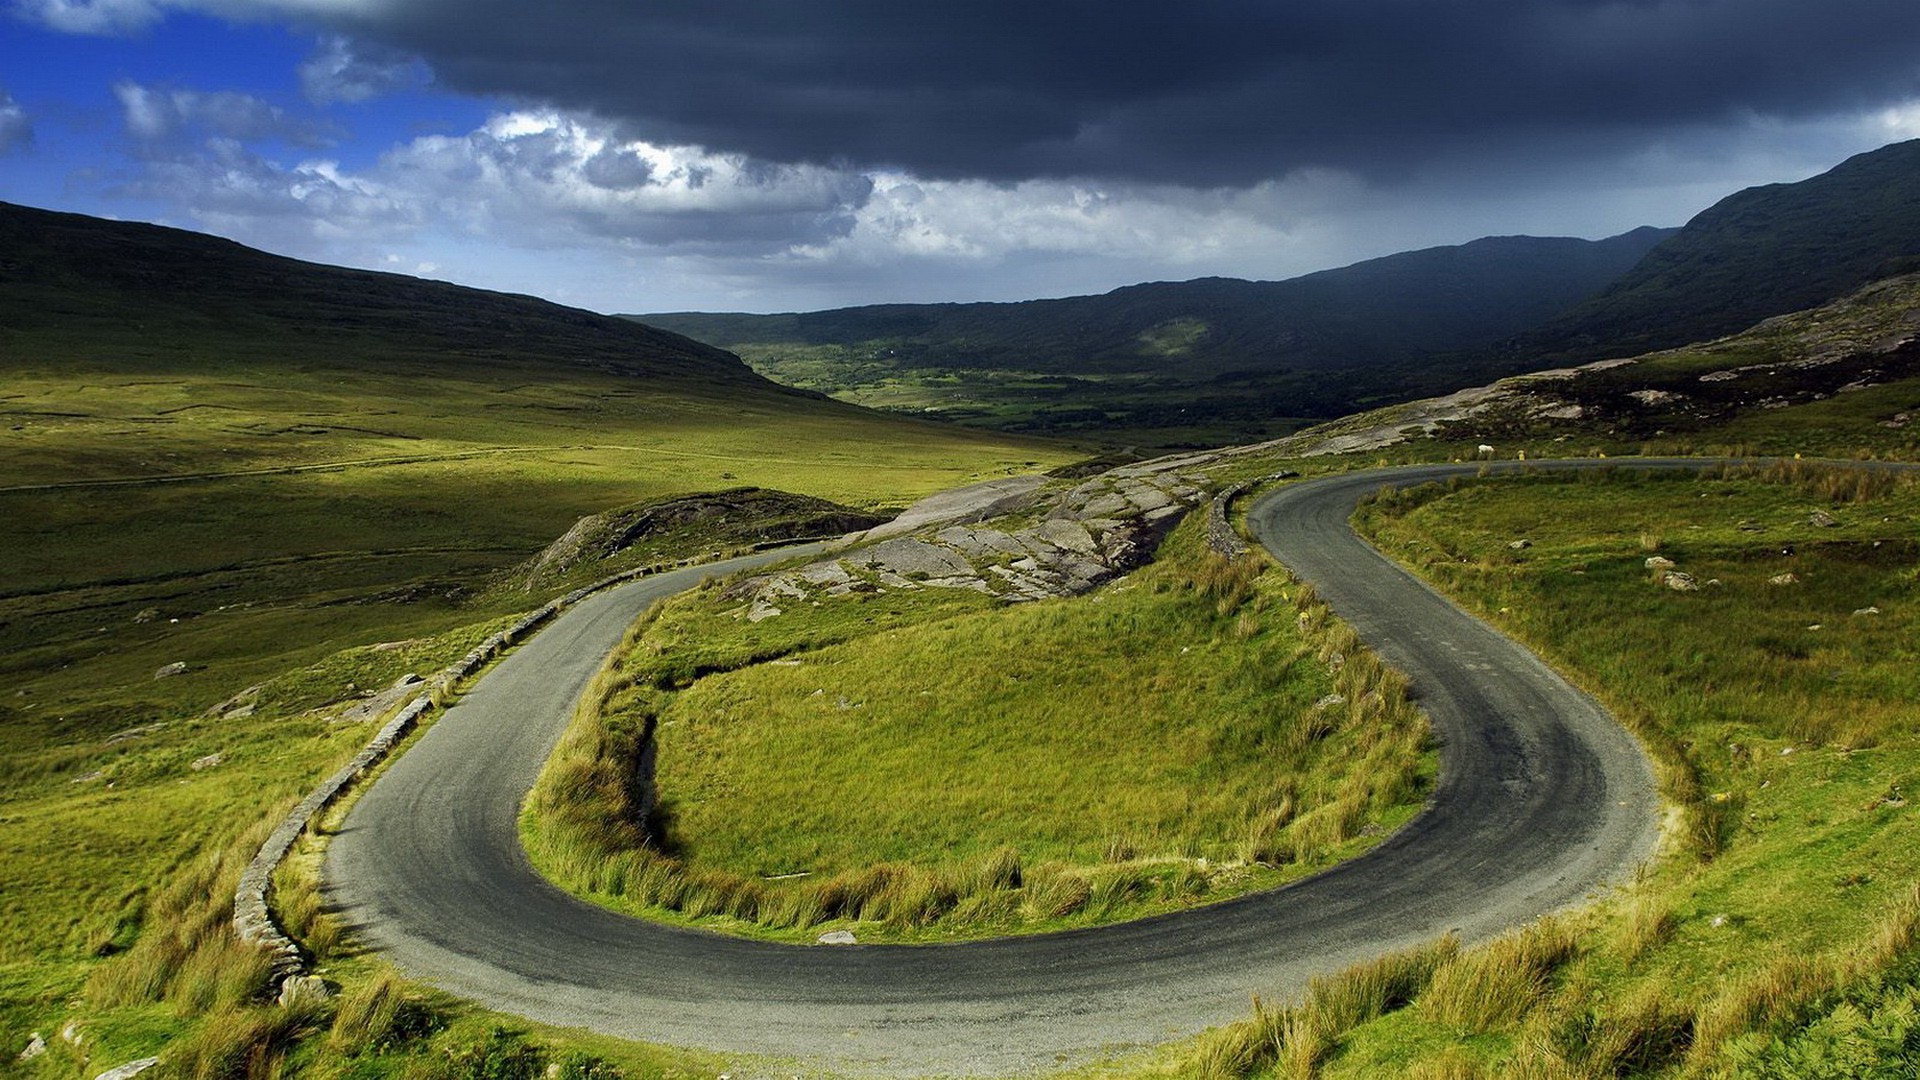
1389	309
67	277
1760	252
1839	380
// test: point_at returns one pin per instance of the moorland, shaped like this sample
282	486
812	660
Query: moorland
246	496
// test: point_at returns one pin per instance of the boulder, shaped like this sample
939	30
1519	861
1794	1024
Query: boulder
35	1047
1519	545
302	990
207	762
1660	562
1822	519
1679	582
838	937
1788	578
178	667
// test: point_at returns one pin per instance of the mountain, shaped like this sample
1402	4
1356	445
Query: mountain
1385	310
148	290
1760	252
1839	380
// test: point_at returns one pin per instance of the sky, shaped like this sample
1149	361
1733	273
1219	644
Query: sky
771	155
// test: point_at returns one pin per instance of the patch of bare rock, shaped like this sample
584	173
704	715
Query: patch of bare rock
1016	539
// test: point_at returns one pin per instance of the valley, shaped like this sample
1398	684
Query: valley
1606	777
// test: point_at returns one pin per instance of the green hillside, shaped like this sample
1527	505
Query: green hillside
1199	362
1760	252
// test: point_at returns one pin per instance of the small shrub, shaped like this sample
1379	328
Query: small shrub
502	1055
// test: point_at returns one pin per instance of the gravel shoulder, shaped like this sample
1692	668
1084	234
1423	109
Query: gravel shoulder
1542	800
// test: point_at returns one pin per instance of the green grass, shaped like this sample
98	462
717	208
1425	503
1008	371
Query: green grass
1164	408
1776	930
261	469
923	769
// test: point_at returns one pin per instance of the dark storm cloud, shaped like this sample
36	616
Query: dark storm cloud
1207	92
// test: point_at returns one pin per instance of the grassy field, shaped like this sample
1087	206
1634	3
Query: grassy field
1168	408
1776	933
932	766
241	578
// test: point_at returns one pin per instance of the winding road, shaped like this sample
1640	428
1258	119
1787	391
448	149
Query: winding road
1542	799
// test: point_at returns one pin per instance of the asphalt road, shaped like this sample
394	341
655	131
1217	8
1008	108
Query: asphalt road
1542	799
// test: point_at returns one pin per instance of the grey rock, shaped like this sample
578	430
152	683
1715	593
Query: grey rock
1660	562
824	573
761	611
146	615
207	762
1869	610
906	556
966	581
838	937
1822	519
1146	497
1788	578
1519	545
1112	504
301	990
178	667
35	1047
1068	535
1679	582
130	1070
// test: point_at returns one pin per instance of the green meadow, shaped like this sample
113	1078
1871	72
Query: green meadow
936	766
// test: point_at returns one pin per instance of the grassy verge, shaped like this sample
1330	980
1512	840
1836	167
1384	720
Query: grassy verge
931	765
1776	935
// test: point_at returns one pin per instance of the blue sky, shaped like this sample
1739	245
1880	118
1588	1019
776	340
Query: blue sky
741	155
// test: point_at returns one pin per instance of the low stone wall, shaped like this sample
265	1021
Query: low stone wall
252	902
1221	535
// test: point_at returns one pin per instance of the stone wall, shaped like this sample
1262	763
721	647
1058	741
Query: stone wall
253	900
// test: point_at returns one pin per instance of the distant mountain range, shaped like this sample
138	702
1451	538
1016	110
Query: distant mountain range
1386	310
1260	357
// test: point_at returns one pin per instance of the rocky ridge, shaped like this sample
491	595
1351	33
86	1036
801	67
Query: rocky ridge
1020	543
1865	339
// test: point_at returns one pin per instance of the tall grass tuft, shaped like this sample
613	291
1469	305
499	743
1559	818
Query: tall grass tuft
1295	1041
1493	987
188	953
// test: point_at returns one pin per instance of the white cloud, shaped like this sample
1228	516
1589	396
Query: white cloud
981	222
161	117
104	17
16	128
542	178
341	70
1901	123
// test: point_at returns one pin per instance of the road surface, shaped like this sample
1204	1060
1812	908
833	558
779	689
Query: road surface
1541	801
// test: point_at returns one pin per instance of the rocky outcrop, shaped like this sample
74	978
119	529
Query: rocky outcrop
739	517
1015	541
